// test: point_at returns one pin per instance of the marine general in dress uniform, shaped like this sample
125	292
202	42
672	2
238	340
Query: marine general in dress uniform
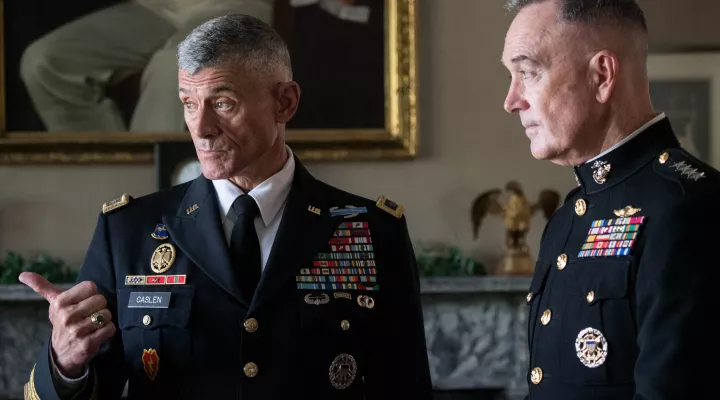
253	281
624	295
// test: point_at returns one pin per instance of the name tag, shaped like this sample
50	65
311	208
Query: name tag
149	300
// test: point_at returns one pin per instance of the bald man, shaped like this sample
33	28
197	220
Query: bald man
624	297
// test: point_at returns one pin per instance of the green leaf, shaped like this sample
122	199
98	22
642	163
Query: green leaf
54	270
445	261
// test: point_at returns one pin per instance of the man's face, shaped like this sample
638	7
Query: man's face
231	115
550	87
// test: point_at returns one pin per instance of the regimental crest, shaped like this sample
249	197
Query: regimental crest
151	362
160	232
591	347
342	371
688	170
601	169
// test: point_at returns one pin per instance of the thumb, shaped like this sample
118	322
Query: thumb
40	285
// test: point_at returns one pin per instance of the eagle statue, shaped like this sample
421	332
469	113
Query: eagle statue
516	212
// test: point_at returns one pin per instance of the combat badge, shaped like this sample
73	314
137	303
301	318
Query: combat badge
348	212
116	203
162	258
591	347
601	169
390	206
160	232
366	301
151	362
317	299
342	295
342	371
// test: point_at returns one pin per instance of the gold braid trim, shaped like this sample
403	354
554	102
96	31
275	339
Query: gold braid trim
29	390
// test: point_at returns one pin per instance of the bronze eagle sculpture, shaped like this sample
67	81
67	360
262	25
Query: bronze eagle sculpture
516	212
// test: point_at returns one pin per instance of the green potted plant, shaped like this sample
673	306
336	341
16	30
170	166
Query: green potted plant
446	261
54	270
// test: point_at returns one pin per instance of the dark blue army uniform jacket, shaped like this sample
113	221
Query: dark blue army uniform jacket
624	296
336	315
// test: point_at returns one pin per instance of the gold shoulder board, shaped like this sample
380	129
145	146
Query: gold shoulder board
390	206
116	203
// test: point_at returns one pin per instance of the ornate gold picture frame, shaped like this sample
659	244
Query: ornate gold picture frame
393	137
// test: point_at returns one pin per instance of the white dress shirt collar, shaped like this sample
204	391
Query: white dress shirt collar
270	195
630	137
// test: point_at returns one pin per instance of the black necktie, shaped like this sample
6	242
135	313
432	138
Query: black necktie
245	247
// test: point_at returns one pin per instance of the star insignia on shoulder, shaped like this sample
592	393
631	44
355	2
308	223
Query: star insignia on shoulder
390	207
687	169
116	203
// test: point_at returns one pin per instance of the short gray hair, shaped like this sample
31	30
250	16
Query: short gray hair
615	12
234	38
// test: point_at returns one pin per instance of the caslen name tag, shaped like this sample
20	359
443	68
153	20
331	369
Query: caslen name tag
149	300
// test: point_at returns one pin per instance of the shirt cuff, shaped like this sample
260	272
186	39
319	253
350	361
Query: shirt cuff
63	384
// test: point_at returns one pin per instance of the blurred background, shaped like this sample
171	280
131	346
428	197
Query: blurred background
467	145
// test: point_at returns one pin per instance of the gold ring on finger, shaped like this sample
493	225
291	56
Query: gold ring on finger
98	319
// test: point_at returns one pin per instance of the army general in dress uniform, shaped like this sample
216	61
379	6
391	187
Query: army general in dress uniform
253	281
624	295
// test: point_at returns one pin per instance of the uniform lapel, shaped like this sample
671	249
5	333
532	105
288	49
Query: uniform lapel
301	235
197	229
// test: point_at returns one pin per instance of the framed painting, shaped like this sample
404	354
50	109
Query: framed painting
686	86
95	81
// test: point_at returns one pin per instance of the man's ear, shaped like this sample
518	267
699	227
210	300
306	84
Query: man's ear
288	96
604	68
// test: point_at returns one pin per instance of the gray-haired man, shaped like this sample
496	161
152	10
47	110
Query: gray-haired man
622	302
253	281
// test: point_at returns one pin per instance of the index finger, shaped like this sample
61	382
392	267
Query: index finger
77	293
40	285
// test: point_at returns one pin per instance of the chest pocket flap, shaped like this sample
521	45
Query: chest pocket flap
177	314
603	279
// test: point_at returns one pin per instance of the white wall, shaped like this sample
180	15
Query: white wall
468	143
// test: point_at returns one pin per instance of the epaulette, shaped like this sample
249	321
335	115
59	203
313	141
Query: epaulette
390	206
679	165
116	203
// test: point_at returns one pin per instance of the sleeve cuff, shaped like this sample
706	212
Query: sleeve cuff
68	384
